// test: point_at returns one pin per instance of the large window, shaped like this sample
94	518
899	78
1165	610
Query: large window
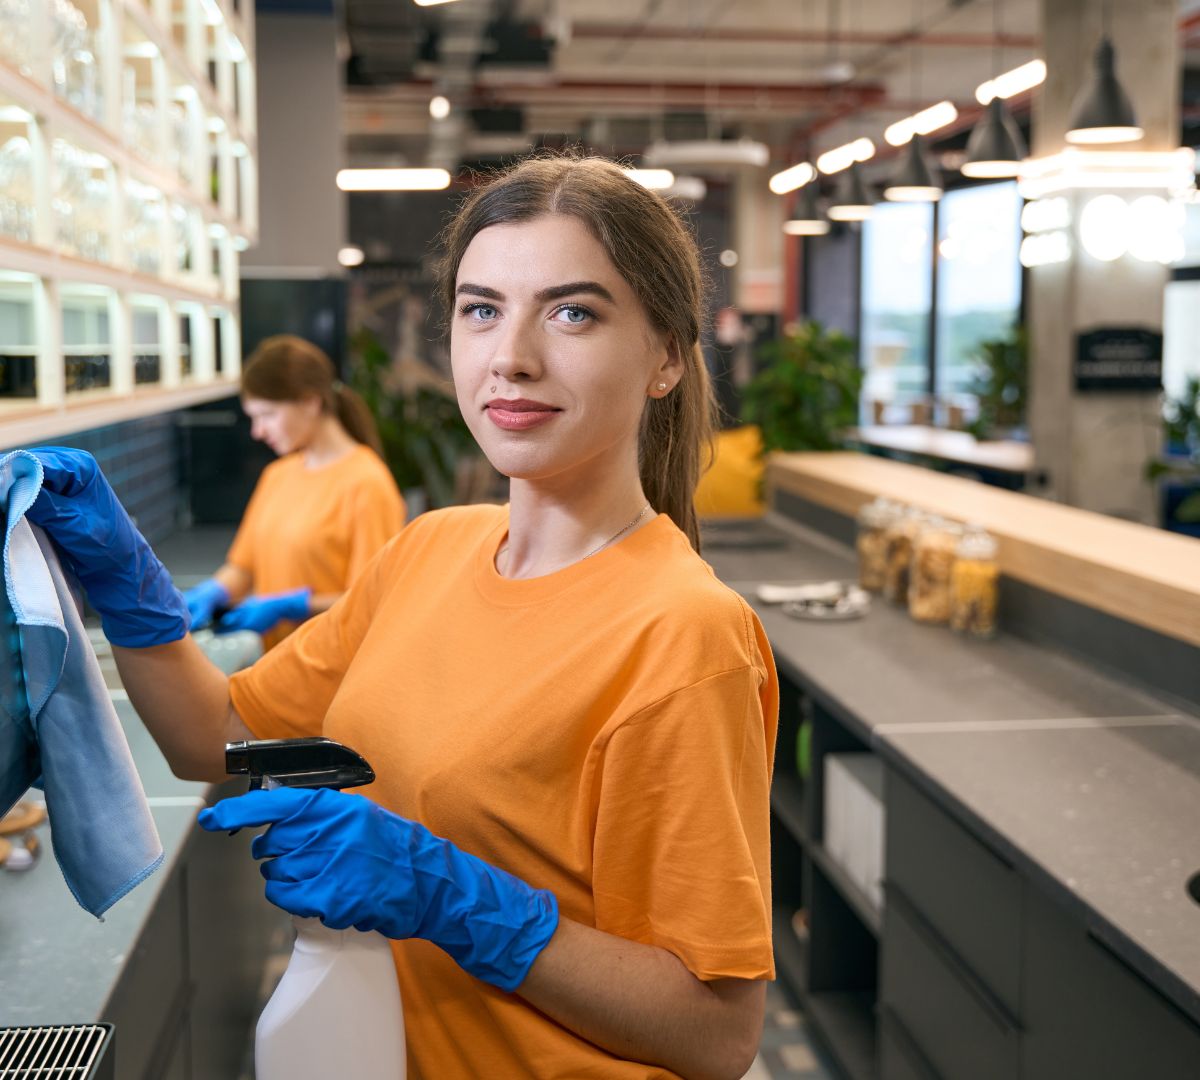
897	291
978	280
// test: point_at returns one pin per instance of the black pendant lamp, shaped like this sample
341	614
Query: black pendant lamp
915	180
996	147
852	201
1102	112
807	219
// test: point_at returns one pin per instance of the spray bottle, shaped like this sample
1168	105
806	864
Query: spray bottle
338	1002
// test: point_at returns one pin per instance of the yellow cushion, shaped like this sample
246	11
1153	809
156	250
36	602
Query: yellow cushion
731	487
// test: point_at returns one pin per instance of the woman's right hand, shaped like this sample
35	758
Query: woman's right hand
123	578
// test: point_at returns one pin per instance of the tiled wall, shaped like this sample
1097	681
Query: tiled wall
141	460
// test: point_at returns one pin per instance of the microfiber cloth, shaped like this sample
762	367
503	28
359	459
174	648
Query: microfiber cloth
57	721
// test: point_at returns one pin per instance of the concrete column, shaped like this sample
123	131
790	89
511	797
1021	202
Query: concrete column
302	221
758	237
1094	445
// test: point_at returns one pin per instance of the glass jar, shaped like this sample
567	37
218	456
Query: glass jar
934	553
975	583
871	543
899	537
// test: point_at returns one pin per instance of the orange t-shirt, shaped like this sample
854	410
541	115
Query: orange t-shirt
316	527
605	732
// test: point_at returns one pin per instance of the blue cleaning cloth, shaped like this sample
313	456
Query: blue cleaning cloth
57	720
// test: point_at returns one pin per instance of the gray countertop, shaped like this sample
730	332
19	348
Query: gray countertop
58	964
1089	784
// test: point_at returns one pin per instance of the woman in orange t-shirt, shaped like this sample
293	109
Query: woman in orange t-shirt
318	515
571	721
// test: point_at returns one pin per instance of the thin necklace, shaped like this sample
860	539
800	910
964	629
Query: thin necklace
619	533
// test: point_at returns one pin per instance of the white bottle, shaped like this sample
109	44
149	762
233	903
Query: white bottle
336	1011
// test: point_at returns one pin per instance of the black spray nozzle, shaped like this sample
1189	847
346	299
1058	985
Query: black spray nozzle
299	763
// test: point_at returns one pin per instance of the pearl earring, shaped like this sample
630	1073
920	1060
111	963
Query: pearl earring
662	385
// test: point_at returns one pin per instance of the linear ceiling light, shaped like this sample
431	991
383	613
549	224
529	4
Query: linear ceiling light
654	179
791	179
1013	82
842	157
922	123
393	179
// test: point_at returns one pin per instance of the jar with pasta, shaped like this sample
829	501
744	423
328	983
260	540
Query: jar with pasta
929	589
899	538
871	543
975	584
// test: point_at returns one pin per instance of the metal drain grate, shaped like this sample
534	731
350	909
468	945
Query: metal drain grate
65	1052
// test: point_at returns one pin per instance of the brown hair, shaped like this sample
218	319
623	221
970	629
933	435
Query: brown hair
288	368
655	252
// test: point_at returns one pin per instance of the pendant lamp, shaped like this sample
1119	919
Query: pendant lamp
852	202
914	181
807	219
996	147
1102	112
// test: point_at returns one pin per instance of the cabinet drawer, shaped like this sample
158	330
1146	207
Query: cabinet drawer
148	1002
958	885
957	1029
1088	1014
899	1056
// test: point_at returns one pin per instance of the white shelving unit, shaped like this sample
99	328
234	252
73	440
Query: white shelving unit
128	188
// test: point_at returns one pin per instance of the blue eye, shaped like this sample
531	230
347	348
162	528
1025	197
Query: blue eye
479	309
576	310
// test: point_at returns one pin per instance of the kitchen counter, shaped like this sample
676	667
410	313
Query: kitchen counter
176	965
1088	784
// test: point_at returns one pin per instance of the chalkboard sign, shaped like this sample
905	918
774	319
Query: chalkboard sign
1119	358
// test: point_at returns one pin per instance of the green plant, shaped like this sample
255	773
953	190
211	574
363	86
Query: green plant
1181	433
1002	386
805	394
423	433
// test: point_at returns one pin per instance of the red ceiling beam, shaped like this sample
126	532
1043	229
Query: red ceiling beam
615	32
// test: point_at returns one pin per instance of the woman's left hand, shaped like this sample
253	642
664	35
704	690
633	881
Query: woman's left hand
347	861
263	613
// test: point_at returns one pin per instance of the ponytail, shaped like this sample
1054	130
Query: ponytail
675	445
355	416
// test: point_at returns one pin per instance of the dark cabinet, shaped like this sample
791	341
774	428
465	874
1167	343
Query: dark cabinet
1087	1014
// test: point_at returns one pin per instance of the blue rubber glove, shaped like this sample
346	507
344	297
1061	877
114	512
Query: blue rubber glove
349	862
203	600
137	601
262	613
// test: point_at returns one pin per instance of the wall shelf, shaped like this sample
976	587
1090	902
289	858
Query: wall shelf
128	188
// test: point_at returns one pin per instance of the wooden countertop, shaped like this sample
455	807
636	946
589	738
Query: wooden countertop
957	446
1134	572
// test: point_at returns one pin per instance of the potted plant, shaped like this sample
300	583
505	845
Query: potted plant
805	394
1178	468
1002	385
425	439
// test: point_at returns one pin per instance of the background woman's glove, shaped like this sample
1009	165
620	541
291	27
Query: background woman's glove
124	581
349	862
262	613
203	600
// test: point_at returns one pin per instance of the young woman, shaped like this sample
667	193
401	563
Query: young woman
571	720
318	515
